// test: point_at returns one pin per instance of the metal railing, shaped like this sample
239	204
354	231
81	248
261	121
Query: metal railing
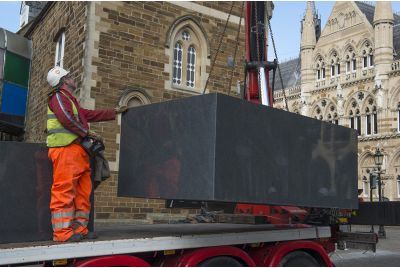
290	92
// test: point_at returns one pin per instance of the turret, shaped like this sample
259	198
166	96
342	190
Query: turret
308	42
308	38
383	27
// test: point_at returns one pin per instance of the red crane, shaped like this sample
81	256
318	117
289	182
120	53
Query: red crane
258	90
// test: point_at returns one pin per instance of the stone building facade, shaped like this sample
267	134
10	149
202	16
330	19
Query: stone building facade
131	53
349	75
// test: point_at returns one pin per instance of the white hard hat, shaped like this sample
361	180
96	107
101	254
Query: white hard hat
55	74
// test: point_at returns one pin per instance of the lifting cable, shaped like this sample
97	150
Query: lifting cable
218	48
236	48
276	57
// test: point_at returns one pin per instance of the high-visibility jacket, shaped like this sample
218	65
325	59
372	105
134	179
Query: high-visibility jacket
57	135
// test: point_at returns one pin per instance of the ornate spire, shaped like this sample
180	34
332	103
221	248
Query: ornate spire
308	38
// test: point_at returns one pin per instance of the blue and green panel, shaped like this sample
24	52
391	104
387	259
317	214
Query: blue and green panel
15	84
15	54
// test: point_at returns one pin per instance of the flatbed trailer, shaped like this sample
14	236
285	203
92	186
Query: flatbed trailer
181	245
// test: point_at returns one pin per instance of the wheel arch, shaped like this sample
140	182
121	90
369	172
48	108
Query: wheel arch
273	255
108	261
194	257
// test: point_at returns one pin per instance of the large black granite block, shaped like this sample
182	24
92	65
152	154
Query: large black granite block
219	148
25	183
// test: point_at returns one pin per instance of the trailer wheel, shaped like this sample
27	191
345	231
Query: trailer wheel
222	261
298	259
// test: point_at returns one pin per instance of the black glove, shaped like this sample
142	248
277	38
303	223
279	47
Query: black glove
95	136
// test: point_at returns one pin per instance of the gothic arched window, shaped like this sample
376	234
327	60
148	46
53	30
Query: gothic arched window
185	58
355	117
351	61
367	56
365	59
368	123
371	118
348	64
351	117
320	67
188	55
335	65
59	60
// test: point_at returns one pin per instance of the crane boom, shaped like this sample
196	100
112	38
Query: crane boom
257	88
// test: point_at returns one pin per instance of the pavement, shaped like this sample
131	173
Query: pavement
386	255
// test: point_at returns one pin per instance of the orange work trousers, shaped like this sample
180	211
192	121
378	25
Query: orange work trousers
70	192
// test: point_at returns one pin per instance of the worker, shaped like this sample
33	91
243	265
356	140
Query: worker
67	127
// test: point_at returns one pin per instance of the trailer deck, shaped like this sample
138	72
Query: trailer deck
125	239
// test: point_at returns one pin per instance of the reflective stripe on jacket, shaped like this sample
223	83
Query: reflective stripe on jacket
57	135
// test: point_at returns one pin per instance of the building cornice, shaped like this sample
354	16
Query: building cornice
356	82
207	11
344	85
379	137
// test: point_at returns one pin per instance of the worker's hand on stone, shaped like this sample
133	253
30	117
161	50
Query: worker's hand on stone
95	136
121	109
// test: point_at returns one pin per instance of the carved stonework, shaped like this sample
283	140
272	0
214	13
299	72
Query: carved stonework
343	19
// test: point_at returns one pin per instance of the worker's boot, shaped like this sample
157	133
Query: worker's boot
75	238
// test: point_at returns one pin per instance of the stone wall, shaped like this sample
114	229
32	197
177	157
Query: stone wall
132	54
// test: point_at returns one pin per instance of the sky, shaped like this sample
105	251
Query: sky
9	15
285	22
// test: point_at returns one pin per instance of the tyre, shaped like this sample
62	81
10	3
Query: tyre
220	262
298	259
